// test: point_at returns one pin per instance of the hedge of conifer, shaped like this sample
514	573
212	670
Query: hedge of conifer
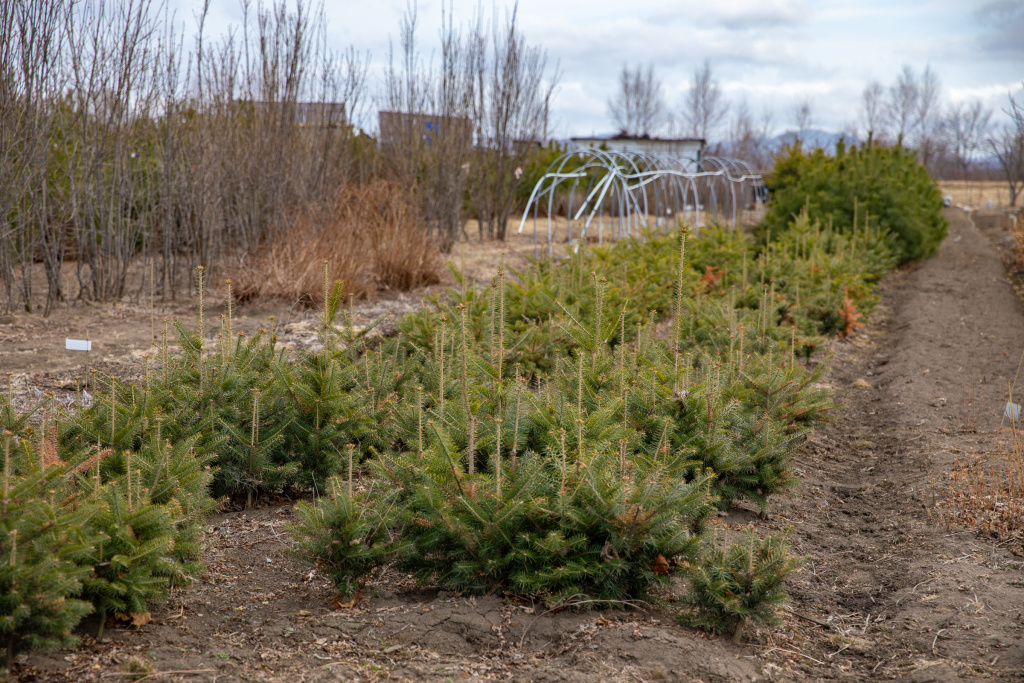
567	432
859	188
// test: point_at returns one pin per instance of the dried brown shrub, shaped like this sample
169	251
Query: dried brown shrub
370	235
849	315
48	451
987	492
1018	231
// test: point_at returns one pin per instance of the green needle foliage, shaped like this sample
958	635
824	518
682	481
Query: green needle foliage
133	560
45	541
563	433
247	462
150	508
177	477
585	484
739	583
858	190
117	530
345	537
553	525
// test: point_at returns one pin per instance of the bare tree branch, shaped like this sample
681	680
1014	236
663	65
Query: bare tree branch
1007	144
901	107
966	128
704	107
803	114
872	110
638	107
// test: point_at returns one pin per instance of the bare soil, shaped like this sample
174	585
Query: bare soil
32	348
887	591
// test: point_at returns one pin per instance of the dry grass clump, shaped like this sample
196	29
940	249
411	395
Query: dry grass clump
1018	231
987	493
370	235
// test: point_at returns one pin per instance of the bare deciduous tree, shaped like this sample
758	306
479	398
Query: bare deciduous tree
513	95
467	125
704	107
430	143
741	129
1007	144
115	143
638	107
266	130
803	114
966	128
749	137
872	110
32	222
929	91
902	106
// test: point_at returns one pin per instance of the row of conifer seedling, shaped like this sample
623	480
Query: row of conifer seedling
567	433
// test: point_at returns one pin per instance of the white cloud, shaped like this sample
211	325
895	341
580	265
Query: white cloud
984	92
773	52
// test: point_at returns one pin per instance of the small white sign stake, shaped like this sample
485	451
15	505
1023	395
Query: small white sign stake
81	345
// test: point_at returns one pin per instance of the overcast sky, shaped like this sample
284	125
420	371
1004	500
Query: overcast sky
773	52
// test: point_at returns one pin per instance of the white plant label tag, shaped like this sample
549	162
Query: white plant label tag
77	345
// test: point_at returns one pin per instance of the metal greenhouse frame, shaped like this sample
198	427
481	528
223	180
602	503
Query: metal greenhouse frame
636	188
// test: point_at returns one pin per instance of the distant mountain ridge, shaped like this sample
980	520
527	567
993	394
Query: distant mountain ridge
811	138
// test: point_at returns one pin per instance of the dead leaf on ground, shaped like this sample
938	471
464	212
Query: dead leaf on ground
338	604
134	618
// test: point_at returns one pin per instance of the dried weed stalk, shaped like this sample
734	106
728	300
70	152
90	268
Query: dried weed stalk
370	235
1018	231
987	492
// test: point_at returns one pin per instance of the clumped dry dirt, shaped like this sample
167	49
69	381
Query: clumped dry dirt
887	592
259	615
895	594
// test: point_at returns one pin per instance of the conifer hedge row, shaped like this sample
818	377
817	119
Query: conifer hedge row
857	188
567	433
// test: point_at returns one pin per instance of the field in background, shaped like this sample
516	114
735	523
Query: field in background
976	193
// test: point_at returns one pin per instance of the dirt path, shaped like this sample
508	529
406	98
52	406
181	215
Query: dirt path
887	592
899	595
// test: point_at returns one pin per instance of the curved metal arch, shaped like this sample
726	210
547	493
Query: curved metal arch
636	183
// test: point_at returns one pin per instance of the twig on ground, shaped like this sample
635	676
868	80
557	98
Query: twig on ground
935	640
914	589
838	651
823	624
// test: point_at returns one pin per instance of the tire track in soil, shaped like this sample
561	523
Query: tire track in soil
897	595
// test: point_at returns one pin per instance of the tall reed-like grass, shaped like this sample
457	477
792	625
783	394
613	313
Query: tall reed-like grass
987	492
371	236
1018	231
